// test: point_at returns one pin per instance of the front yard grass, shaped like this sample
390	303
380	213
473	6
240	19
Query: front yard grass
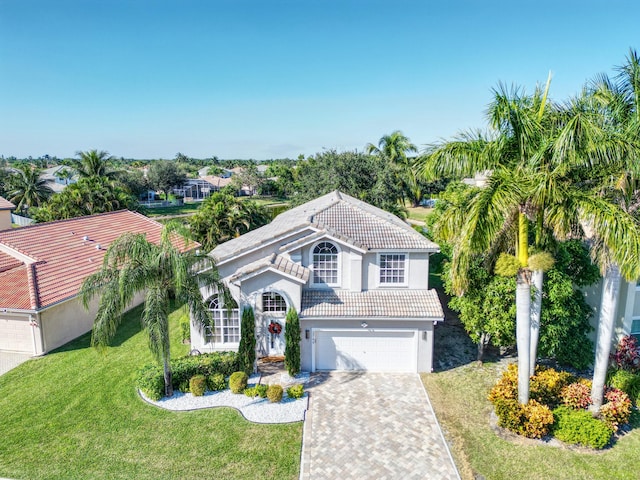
75	414
459	398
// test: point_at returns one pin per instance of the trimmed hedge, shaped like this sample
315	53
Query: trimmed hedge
580	427
150	379
238	382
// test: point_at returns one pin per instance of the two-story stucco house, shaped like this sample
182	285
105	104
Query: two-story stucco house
356	275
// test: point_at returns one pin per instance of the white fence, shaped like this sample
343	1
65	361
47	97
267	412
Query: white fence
22	221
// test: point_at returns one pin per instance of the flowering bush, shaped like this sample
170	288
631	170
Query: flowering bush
628	382
507	386
538	420
617	409
576	395
627	355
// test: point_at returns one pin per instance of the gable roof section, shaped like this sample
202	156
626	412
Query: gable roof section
6	204
340	215
275	263
401	304
62	254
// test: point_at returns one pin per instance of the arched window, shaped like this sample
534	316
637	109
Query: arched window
325	263
274	303
226	321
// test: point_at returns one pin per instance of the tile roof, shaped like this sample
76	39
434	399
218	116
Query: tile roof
62	254
371	304
338	214
277	262
6	204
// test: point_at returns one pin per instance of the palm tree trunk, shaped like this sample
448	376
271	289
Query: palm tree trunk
523	333
536	308
606	322
168	387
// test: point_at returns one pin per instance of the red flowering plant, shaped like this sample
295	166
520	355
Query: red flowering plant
617	410
627	355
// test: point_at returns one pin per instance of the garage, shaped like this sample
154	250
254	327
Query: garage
375	350
15	335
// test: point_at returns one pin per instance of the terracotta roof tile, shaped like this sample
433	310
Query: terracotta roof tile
65	253
371	304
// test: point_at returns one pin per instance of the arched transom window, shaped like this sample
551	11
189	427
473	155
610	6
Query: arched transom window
325	263
226	322
273	302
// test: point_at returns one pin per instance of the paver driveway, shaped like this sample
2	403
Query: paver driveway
372	426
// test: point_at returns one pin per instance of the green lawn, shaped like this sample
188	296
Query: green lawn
418	213
75	414
459	400
185	208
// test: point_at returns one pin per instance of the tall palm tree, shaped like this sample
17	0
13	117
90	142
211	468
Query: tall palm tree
497	217
620	100
27	189
94	163
164	271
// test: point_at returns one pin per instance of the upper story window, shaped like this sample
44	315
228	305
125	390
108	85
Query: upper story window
393	269
226	322
325	263
273	302
635	327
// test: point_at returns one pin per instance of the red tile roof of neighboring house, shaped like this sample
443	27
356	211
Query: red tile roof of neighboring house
43	264
6	204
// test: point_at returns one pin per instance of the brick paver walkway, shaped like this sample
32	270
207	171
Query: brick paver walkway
10	360
372	426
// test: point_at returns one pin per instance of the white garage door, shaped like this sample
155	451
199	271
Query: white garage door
373	350
15	335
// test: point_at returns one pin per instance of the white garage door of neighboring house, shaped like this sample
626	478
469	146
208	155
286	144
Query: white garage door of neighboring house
373	350
15	335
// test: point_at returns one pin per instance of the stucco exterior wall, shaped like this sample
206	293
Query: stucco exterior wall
5	219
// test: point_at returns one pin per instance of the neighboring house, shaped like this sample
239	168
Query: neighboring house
5	213
42	268
356	275
55	178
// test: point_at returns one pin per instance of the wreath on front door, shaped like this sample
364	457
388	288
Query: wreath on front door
275	328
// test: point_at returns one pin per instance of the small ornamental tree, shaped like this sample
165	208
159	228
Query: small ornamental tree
247	347
292	342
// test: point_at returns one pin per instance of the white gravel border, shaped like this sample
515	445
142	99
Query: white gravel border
257	410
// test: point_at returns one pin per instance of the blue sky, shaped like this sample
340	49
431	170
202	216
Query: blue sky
269	79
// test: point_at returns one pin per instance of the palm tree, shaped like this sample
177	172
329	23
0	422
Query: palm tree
497	217
621	102
164	271
94	163
27	189
394	148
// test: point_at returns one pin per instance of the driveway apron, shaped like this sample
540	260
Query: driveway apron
10	360
372	426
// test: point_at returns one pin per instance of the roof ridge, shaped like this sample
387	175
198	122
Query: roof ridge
63	220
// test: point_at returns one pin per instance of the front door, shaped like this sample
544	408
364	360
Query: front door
275	336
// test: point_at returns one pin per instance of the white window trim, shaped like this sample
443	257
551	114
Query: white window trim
379	284
631	332
223	310
274	314
311	262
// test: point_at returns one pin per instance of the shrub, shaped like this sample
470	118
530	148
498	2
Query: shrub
216	382
184	386
274	393
628	382
507	386
292	343
296	391
150	381
617	410
538	420
532	420
247	347
576	395
238	382
250	392
185	328
547	383
197	385
627	354
579	427
261	390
